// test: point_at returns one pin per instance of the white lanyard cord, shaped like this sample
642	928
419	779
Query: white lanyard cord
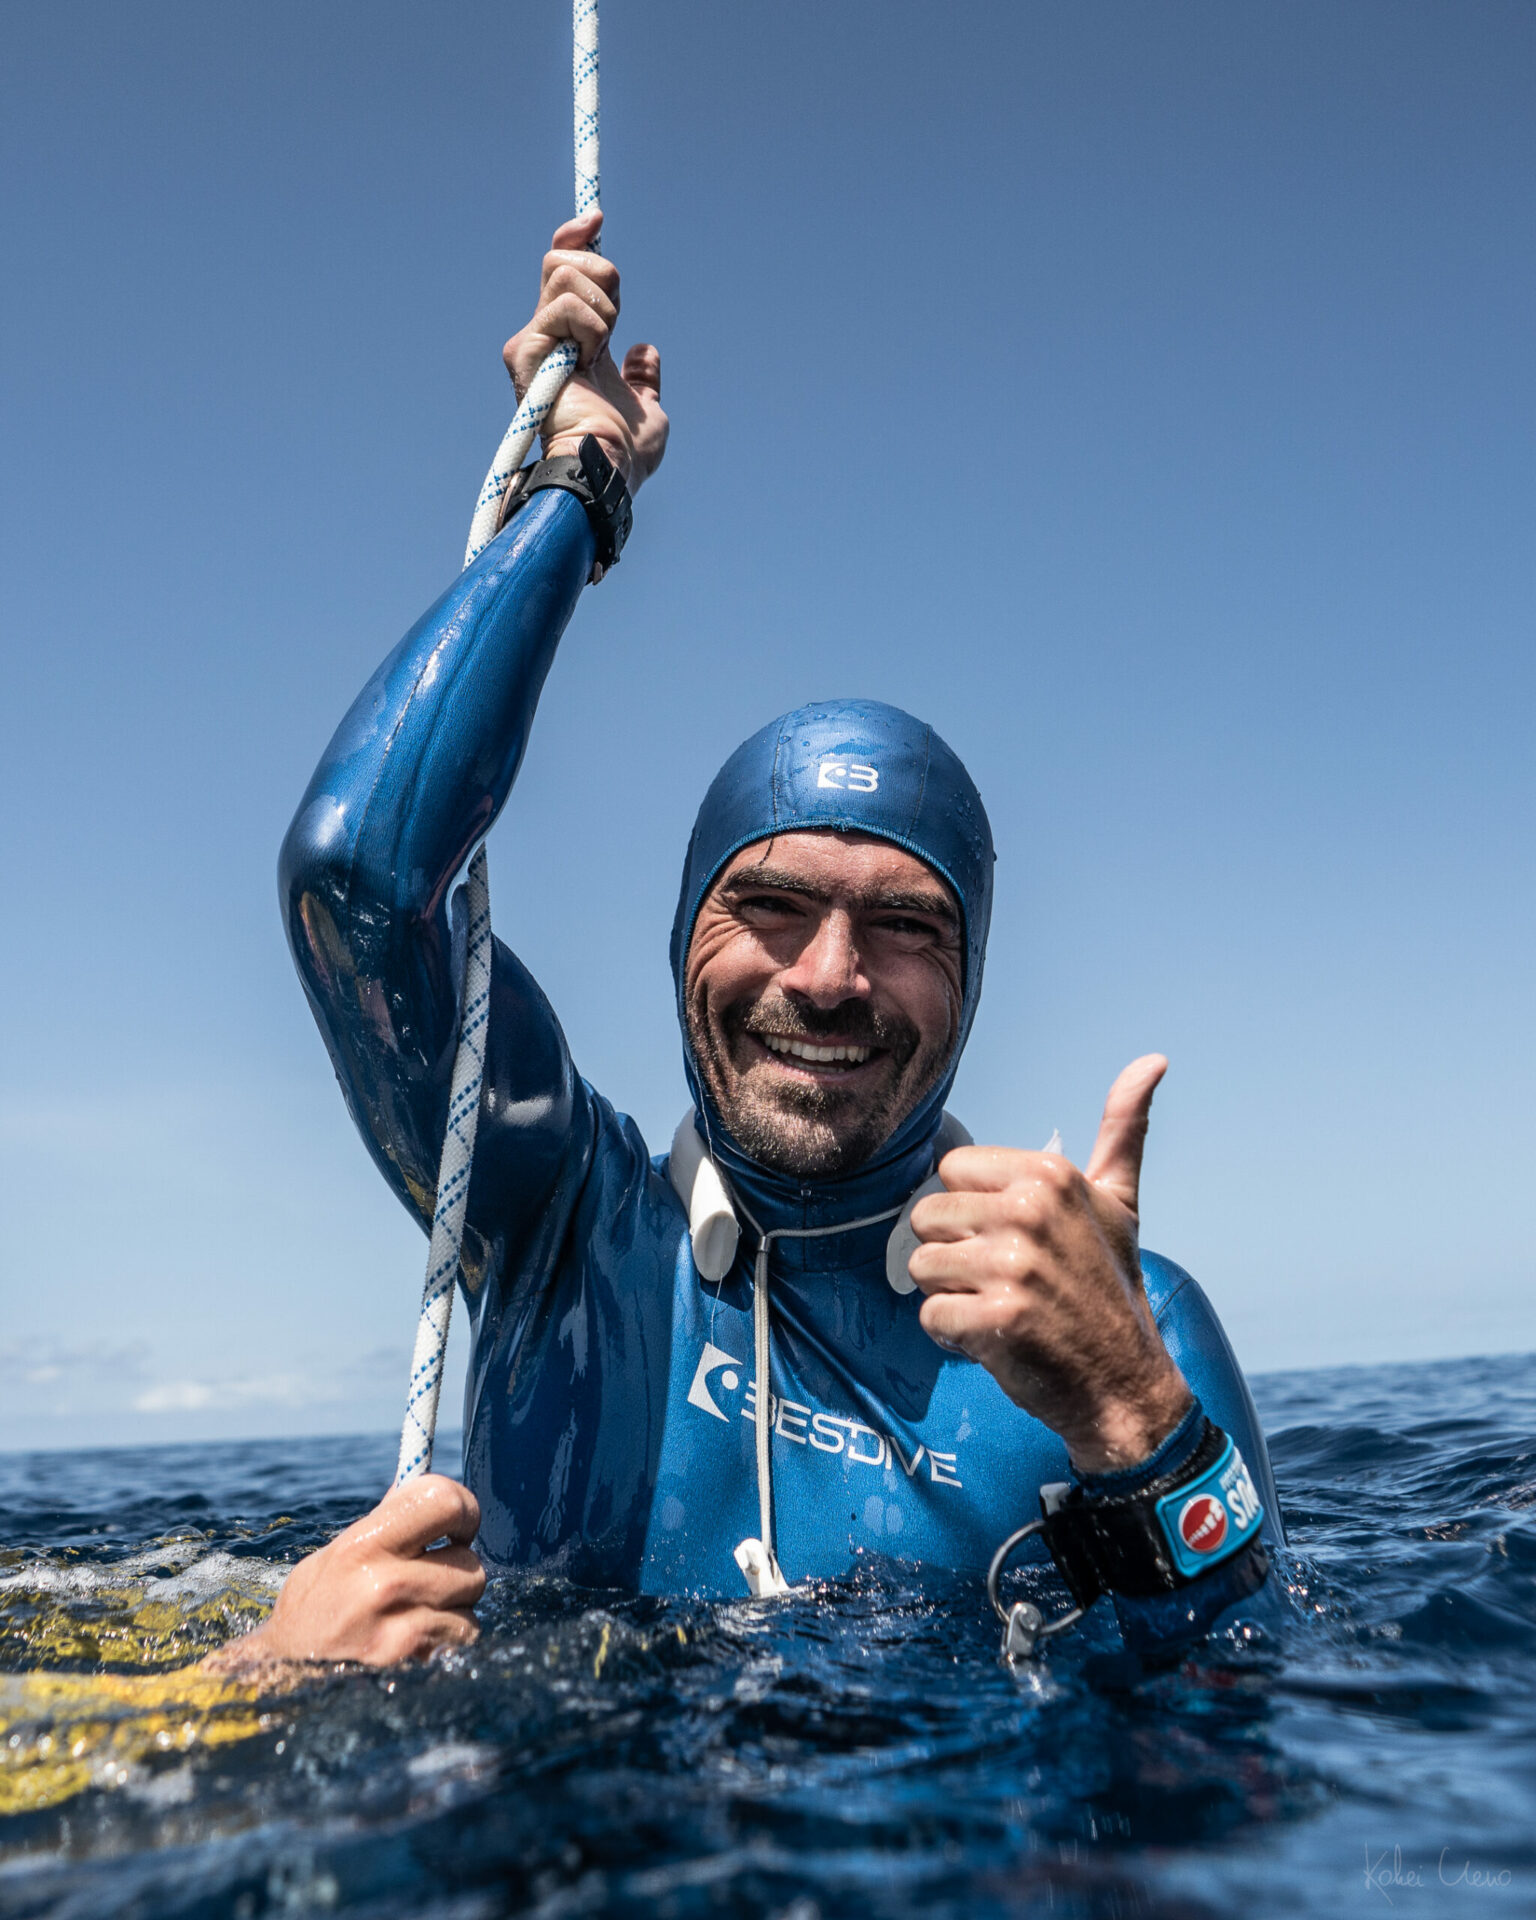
765	1578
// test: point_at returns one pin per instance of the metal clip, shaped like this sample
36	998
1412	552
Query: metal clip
1022	1631
1024	1626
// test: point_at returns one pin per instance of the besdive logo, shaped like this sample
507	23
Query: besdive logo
849	776
712	1360
811	1427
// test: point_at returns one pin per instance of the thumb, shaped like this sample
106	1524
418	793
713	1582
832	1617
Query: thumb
642	370
411	1516
571	236
1116	1162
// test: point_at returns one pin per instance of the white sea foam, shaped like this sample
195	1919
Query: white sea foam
200	1578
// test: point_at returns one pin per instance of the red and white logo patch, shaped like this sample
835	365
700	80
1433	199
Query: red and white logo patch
1203	1523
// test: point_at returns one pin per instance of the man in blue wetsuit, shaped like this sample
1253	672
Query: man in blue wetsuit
755	1353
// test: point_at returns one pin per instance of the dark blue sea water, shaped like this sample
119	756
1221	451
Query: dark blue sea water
859	1754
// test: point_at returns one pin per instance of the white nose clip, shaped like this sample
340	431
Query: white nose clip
712	1224
716	1233
903	1241
902	1244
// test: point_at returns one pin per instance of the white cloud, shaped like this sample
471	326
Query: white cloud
198	1396
54	1380
48	1362
176	1396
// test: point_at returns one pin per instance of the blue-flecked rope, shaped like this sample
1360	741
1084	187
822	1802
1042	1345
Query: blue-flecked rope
544	388
458	1157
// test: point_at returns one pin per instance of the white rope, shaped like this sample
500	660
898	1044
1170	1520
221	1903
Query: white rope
560	364
452	1188
453	1174
543	391
584	85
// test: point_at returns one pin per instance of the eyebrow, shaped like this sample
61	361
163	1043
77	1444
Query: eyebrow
755	879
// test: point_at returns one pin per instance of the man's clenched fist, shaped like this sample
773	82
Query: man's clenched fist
1032	1268
380	1592
579	300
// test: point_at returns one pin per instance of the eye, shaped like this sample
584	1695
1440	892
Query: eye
768	909
909	930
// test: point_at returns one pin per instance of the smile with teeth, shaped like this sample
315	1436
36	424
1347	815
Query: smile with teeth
818	1056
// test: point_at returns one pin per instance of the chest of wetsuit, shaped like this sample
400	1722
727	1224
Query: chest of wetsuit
613	1424
610	1401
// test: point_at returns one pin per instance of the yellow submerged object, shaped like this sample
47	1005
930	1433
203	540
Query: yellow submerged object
63	1732
62	1729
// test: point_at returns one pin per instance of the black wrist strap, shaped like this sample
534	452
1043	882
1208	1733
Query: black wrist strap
1108	1544
1160	1537
596	483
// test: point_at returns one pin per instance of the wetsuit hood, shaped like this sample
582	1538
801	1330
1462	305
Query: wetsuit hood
864	767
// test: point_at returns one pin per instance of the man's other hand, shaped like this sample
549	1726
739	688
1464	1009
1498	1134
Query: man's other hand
579	300
1033	1268
380	1592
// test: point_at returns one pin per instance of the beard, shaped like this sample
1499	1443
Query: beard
796	1125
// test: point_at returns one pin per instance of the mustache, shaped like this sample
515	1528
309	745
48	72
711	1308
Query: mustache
854	1023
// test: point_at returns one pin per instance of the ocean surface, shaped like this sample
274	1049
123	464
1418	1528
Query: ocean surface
862	1752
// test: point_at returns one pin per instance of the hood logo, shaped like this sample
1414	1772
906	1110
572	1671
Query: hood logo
848	776
711	1360
1203	1523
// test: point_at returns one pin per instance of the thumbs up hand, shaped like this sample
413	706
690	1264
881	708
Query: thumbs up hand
1033	1268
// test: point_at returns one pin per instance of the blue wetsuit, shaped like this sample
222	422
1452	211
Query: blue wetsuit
609	1407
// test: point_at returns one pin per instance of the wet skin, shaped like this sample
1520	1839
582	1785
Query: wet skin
817	944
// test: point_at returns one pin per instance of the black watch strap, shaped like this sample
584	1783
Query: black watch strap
596	483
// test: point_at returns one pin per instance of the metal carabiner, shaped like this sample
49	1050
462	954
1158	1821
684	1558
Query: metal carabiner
1024	1626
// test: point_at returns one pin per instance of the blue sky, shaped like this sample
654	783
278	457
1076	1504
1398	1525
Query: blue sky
1143	394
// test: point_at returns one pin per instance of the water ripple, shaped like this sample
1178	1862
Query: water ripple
860	1752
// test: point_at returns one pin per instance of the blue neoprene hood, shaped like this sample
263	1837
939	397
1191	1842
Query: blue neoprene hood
860	765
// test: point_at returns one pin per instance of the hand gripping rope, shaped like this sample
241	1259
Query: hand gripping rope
453	1172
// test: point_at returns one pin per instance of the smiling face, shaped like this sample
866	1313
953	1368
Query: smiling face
823	989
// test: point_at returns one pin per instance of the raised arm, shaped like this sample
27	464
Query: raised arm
1034	1269
415	775
417	772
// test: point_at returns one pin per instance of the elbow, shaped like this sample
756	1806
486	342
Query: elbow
317	847
349	930
307	845
314	870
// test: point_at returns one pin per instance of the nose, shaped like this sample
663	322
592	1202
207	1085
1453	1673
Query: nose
827	970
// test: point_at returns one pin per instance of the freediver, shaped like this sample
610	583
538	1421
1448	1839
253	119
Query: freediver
931	1367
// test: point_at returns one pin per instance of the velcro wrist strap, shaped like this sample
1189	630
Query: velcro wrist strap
600	488
1160	1537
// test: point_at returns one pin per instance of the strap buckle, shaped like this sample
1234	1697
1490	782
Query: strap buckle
1024	1625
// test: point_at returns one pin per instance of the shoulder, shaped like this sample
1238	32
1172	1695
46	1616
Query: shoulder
1191	1330
1185	1318
621	1170
1165	1281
